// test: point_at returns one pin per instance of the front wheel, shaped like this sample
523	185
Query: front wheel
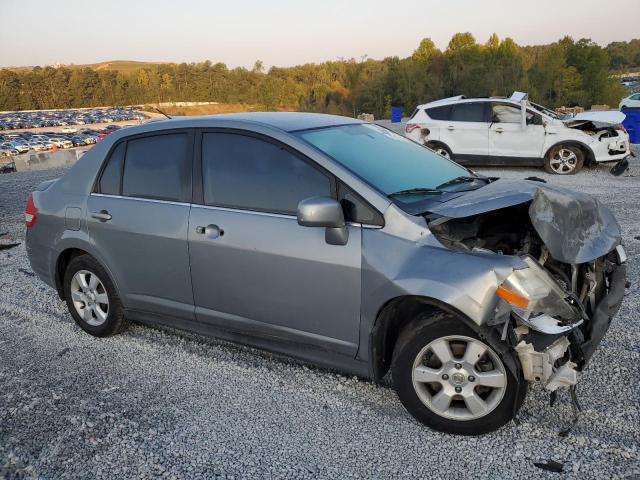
564	160
451	380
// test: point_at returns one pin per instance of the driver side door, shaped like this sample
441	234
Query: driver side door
254	269
509	142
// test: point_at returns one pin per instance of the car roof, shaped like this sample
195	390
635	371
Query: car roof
515	99
454	100
286	121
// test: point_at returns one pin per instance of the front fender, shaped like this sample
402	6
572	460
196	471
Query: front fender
393	267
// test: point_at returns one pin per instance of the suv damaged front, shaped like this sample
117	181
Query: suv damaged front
601	131
554	312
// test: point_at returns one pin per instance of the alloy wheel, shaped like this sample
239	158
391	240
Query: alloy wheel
563	161
459	377
89	297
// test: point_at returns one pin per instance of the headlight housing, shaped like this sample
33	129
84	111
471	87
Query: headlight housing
532	291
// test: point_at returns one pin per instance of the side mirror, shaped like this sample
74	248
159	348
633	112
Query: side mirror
324	212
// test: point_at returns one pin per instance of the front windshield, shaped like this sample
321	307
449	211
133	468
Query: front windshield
387	161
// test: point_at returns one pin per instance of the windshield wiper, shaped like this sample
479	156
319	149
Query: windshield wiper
415	191
462	179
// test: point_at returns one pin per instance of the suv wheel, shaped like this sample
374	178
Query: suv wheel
451	380
440	149
564	160
92	298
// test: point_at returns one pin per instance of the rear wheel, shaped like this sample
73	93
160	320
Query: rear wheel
92	298
440	149
451	380
564	160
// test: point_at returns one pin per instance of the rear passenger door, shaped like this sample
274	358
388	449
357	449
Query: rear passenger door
138	216
466	132
257	272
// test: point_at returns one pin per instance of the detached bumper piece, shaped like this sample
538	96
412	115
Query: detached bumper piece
621	167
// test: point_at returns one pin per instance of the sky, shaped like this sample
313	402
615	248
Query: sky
287	32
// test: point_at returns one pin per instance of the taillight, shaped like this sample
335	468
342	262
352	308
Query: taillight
411	127
30	212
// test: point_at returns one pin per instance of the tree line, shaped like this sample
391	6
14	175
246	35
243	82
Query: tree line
566	72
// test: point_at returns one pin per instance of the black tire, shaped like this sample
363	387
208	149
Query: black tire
435	146
548	159
115	321
417	335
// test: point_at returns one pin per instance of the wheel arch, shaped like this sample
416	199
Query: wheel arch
438	143
393	316
64	258
589	156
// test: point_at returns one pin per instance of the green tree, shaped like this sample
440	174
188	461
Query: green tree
425	50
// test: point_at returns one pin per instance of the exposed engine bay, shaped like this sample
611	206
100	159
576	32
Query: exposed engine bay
601	130
564	243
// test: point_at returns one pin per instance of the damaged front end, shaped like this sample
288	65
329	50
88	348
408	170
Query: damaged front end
555	312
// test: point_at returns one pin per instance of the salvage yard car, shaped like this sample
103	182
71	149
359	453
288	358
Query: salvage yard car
515	132
341	243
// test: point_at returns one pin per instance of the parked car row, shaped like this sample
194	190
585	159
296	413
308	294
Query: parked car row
24	142
58	118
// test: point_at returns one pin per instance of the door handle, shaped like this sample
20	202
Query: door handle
451	127
211	231
102	215
499	130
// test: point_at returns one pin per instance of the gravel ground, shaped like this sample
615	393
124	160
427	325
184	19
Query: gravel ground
159	403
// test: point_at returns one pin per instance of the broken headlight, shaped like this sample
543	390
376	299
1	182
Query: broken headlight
532	291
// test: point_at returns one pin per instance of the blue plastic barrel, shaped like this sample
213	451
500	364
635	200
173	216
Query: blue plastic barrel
632	123
396	114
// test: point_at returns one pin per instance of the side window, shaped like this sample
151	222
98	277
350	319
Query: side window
439	113
110	179
636	96
153	166
469	112
505	113
245	172
356	209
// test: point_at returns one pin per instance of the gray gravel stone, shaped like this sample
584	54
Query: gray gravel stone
156	403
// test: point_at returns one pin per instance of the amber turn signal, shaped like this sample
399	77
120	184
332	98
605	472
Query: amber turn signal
513	298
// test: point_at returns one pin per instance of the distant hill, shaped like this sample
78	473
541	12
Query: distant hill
124	66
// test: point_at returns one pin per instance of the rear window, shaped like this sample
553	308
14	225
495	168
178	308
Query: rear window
439	113
153	167
469	112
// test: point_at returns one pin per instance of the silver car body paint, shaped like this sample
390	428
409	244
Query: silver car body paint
268	281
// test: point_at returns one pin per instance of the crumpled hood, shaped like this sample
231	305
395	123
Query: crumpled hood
575	227
612	117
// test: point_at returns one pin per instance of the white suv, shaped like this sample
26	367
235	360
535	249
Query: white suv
513	131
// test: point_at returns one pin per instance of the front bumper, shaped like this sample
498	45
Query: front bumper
553	357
